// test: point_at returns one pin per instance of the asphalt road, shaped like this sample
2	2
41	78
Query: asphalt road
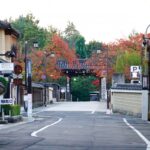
80	129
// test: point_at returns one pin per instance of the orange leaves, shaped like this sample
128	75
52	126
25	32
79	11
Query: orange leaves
45	61
61	49
105	61
39	54
98	63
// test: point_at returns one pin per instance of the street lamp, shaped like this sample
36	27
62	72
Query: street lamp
146	76
146	64
46	55
28	81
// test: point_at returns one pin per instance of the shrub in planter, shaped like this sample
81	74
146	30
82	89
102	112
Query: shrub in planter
6	108
14	110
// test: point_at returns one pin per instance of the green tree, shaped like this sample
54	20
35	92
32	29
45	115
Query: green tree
80	47
30	31
120	63
71	34
75	40
125	60
81	87
93	46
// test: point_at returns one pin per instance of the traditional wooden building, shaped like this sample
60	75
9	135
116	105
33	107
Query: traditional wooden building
8	38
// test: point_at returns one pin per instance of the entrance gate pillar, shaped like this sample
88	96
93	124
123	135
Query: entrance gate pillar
68	93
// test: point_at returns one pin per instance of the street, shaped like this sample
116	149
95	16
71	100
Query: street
76	126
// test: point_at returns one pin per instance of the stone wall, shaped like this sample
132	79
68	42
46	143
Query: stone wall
127	101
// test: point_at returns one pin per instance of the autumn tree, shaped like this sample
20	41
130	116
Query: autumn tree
129	53
117	57
51	31
45	65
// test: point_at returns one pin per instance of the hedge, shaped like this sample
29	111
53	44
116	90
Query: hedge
13	110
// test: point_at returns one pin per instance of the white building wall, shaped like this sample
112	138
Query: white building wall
127	101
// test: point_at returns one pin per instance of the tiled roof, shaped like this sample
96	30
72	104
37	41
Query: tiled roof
7	27
127	86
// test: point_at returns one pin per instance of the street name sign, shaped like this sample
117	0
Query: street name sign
6	101
6	66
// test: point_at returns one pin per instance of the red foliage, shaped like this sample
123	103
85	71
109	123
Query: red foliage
96	83
45	64
103	63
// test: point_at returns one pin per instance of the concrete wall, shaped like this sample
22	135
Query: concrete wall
127	101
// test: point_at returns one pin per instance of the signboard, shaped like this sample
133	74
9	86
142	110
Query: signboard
135	71
6	66
135	68
6	101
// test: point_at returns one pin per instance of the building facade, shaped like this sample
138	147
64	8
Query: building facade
8	38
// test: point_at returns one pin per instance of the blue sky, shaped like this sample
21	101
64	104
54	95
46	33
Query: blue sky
101	20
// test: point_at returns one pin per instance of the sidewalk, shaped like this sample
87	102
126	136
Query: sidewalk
59	106
25	118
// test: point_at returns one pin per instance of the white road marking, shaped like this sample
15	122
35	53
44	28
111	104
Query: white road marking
93	112
34	134
138	133
37	112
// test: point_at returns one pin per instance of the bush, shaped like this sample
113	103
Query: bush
14	110
4	83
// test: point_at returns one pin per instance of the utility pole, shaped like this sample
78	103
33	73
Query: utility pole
28	82
146	77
